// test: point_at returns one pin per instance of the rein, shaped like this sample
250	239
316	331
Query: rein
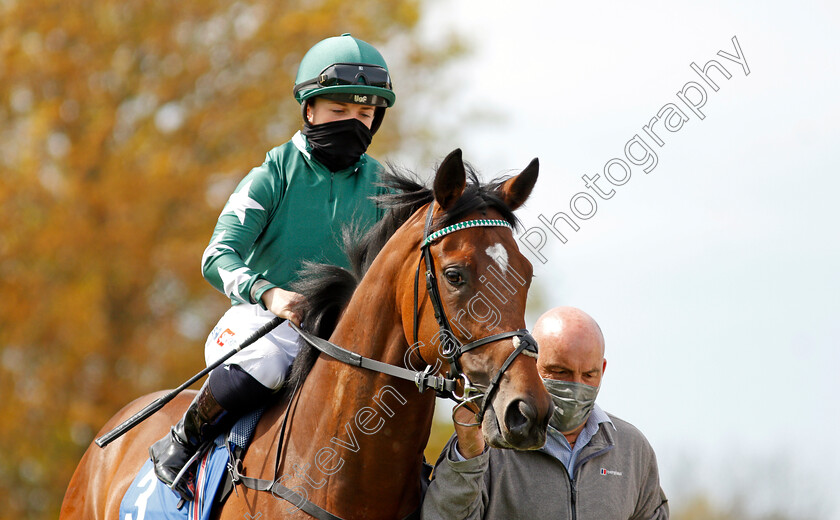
424	380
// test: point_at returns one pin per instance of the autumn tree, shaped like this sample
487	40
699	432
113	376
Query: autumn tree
124	126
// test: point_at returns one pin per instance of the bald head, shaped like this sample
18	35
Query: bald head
571	346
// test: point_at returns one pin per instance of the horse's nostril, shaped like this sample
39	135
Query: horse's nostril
519	416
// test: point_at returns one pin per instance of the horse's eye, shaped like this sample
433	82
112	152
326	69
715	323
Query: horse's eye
453	276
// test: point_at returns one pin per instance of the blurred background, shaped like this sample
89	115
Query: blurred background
125	125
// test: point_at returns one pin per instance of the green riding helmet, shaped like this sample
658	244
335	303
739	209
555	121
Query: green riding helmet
343	68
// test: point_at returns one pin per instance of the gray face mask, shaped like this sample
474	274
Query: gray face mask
573	403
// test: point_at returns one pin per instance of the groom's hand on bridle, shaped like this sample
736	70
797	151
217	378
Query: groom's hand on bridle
470	438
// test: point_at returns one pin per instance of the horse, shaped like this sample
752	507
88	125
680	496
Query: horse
349	440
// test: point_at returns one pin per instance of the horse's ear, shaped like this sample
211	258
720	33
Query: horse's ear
516	190
450	180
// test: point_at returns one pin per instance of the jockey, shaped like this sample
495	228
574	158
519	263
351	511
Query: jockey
283	213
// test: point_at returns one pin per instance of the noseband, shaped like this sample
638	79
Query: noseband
453	348
425	380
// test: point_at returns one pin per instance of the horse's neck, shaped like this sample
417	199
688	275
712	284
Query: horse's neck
362	433
373	328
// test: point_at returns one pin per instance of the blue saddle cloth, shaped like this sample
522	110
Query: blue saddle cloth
150	499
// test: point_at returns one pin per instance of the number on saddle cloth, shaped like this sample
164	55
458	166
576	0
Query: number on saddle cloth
150	499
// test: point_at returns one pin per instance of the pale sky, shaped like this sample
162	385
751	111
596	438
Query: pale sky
715	275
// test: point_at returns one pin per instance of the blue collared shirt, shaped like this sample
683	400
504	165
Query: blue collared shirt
558	447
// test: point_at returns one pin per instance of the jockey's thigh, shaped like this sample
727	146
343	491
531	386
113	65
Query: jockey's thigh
268	359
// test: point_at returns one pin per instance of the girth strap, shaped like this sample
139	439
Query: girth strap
276	487
279	490
424	380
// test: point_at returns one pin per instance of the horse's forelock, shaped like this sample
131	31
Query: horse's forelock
478	197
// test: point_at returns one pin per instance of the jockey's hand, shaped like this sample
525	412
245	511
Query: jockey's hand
470	438
283	303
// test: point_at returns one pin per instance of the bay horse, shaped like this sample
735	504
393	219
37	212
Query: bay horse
350	440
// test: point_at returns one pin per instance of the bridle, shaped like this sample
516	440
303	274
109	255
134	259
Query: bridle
444	386
453	349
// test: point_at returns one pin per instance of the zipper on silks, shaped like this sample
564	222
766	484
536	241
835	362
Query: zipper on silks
332	177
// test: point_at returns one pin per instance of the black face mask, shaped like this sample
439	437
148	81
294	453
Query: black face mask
338	144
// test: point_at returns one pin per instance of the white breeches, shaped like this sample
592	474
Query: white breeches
268	359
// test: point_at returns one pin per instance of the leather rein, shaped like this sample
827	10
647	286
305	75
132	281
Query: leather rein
444	386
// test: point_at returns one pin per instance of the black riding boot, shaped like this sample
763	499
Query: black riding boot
202	422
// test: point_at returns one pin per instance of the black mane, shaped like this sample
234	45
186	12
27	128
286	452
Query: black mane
327	289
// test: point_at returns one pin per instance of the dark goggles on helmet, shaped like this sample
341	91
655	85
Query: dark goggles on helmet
350	74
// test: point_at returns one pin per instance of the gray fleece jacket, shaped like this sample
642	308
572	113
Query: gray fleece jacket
616	479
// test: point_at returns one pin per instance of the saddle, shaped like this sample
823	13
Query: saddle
216	476
148	498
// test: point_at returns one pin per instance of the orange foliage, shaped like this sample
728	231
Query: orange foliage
124	125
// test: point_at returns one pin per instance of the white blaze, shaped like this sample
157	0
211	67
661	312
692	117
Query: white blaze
498	253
